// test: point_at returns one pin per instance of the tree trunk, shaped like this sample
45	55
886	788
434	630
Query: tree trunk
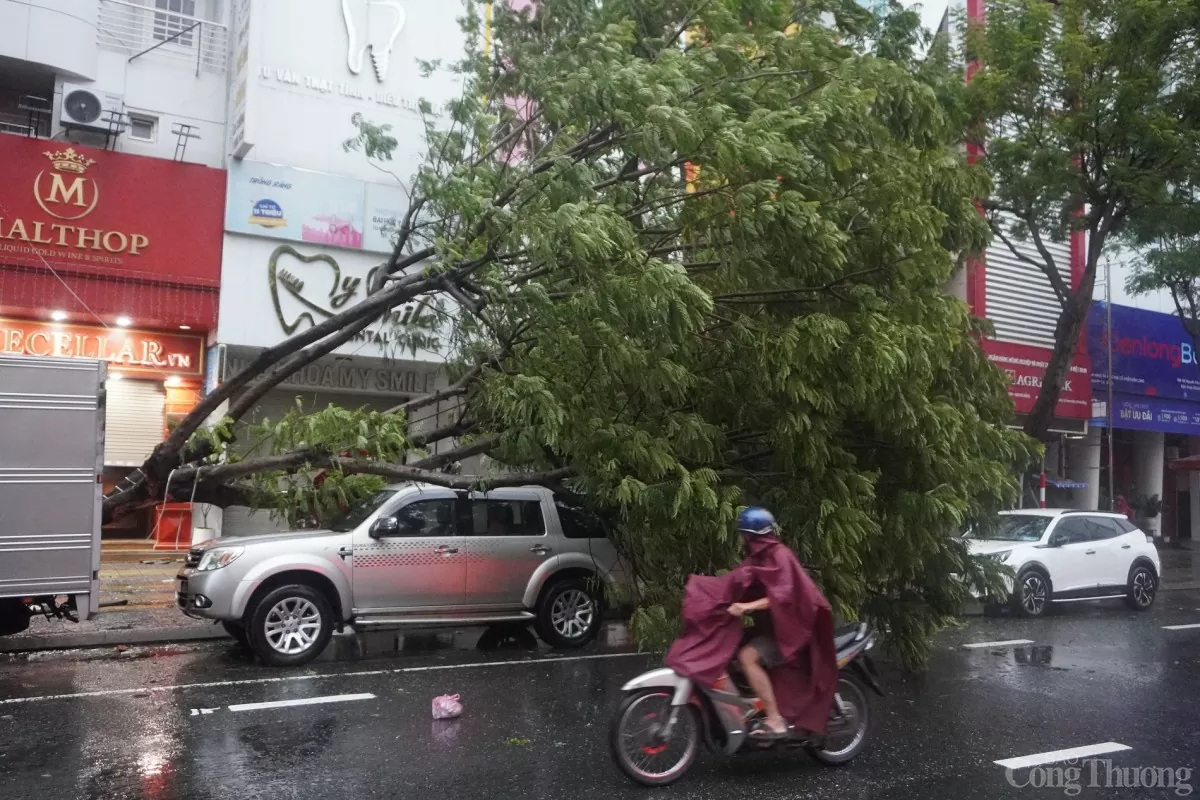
1071	325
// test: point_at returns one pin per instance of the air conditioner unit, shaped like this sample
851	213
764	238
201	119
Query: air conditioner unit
84	107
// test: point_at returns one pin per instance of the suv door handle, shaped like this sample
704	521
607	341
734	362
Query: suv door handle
445	550
345	552
1090	552
540	549
1126	546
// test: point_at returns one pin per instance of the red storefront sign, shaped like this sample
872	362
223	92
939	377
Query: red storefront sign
132	351
1025	366
71	214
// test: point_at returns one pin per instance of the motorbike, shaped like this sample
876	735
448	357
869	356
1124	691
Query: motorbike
664	718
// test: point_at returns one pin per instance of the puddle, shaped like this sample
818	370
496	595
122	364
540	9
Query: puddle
1034	656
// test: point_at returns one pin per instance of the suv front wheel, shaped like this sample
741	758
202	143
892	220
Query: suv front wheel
569	614
290	626
1141	588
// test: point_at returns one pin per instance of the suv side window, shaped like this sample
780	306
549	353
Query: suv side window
578	523
1072	530
1106	528
502	518
1124	524
426	518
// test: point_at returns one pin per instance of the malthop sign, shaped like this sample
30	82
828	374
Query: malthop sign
107	212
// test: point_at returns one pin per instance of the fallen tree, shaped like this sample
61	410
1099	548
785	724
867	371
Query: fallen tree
698	263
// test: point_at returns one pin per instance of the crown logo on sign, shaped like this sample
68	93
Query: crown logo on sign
69	161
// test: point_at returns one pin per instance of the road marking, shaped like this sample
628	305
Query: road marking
1020	762
292	678
302	701
1181	627
1005	643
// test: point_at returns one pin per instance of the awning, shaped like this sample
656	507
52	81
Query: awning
1060	483
1186	464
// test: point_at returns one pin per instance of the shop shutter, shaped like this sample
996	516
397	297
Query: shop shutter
133	421
241	521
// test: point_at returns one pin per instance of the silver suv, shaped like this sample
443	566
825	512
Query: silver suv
411	555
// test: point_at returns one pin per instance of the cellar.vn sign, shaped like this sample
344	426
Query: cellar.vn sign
107	212
135	352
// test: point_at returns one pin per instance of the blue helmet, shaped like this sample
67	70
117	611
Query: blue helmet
756	521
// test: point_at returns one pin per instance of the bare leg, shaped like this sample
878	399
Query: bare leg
760	682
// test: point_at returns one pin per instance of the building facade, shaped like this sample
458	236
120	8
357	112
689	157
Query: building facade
112	256
308	221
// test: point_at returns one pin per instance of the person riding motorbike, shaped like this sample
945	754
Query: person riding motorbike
788	656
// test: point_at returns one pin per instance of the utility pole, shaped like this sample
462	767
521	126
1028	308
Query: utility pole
1108	407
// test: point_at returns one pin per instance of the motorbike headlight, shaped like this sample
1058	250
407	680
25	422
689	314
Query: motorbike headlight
219	557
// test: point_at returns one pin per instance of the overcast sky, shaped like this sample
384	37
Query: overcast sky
931	11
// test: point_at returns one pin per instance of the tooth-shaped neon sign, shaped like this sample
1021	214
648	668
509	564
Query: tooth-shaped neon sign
372	25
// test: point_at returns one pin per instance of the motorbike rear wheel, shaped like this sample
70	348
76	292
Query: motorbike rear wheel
846	739
637	743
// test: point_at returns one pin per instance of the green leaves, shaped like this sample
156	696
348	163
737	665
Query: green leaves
706	270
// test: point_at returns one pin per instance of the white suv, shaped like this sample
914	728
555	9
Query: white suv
1063	556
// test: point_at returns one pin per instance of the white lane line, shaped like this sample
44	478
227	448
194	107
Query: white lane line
302	701
1181	627
1005	643
1020	762
145	690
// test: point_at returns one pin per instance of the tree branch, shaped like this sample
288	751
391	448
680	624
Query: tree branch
439	460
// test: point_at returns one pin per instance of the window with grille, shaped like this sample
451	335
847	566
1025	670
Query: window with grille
173	19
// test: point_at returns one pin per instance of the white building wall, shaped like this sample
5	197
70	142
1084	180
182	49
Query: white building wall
104	46
1121	262
59	34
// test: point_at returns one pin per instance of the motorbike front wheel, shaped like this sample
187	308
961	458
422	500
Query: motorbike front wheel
846	737
639	742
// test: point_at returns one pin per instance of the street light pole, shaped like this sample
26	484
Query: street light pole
1108	407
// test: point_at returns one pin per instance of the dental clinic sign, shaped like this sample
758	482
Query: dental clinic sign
310	66
1152	354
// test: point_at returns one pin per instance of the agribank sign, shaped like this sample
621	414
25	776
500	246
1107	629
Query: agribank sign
303	68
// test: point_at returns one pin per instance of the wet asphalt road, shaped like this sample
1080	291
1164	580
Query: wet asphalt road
162	726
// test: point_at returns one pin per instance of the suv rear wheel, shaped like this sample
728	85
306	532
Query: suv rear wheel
290	625
570	612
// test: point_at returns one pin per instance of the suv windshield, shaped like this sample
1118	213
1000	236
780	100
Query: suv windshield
352	517
1014	528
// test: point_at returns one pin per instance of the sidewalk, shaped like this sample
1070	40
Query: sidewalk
141	590
1180	567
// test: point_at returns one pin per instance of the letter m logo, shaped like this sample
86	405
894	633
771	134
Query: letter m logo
60	192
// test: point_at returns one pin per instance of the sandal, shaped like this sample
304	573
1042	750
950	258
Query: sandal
765	733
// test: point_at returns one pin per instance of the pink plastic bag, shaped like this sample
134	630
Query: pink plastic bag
447	707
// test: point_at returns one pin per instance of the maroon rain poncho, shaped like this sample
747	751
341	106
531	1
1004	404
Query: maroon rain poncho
800	617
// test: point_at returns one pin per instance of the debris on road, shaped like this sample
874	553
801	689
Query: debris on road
447	706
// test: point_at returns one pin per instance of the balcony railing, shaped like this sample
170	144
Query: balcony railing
141	30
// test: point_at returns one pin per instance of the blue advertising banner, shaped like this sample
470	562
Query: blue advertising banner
1152	355
1153	414
302	206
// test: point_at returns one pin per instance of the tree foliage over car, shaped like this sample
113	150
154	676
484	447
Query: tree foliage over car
694	252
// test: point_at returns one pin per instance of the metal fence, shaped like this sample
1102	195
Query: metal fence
146	29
